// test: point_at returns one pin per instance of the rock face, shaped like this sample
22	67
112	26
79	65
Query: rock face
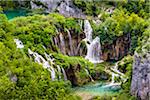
140	86
75	76
64	7
71	48
118	49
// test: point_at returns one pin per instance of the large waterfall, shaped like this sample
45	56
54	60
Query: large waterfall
93	45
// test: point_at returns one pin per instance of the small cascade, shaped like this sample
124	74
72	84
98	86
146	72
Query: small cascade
64	73
19	43
56	41
53	73
50	58
116	73
59	71
93	46
62	43
70	43
88	74
39	59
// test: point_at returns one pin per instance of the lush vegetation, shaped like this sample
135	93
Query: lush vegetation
22	78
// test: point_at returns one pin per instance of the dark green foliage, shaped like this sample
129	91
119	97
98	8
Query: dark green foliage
14	4
125	66
66	61
144	42
140	7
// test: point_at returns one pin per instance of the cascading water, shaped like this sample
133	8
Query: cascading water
88	31
48	64
70	43
116	73
39	59
49	58
59	71
62	43
64	73
93	46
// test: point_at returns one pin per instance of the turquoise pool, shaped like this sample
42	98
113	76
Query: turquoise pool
98	89
15	13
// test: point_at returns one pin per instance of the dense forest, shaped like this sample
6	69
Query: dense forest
75	50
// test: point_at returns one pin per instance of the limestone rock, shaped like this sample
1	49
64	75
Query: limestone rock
64	7
140	86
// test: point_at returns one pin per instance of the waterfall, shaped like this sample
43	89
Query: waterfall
19	43
56	41
64	73
88	30
70	42
88	74
93	46
62	43
93	51
59	71
116	73
52	73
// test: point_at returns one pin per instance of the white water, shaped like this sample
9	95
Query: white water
116	73
88	30
56	41
39	59
93	46
49	58
62	43
19	43
121	75
59	71
64	73
70	42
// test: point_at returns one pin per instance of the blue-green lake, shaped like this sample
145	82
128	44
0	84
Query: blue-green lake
15	13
